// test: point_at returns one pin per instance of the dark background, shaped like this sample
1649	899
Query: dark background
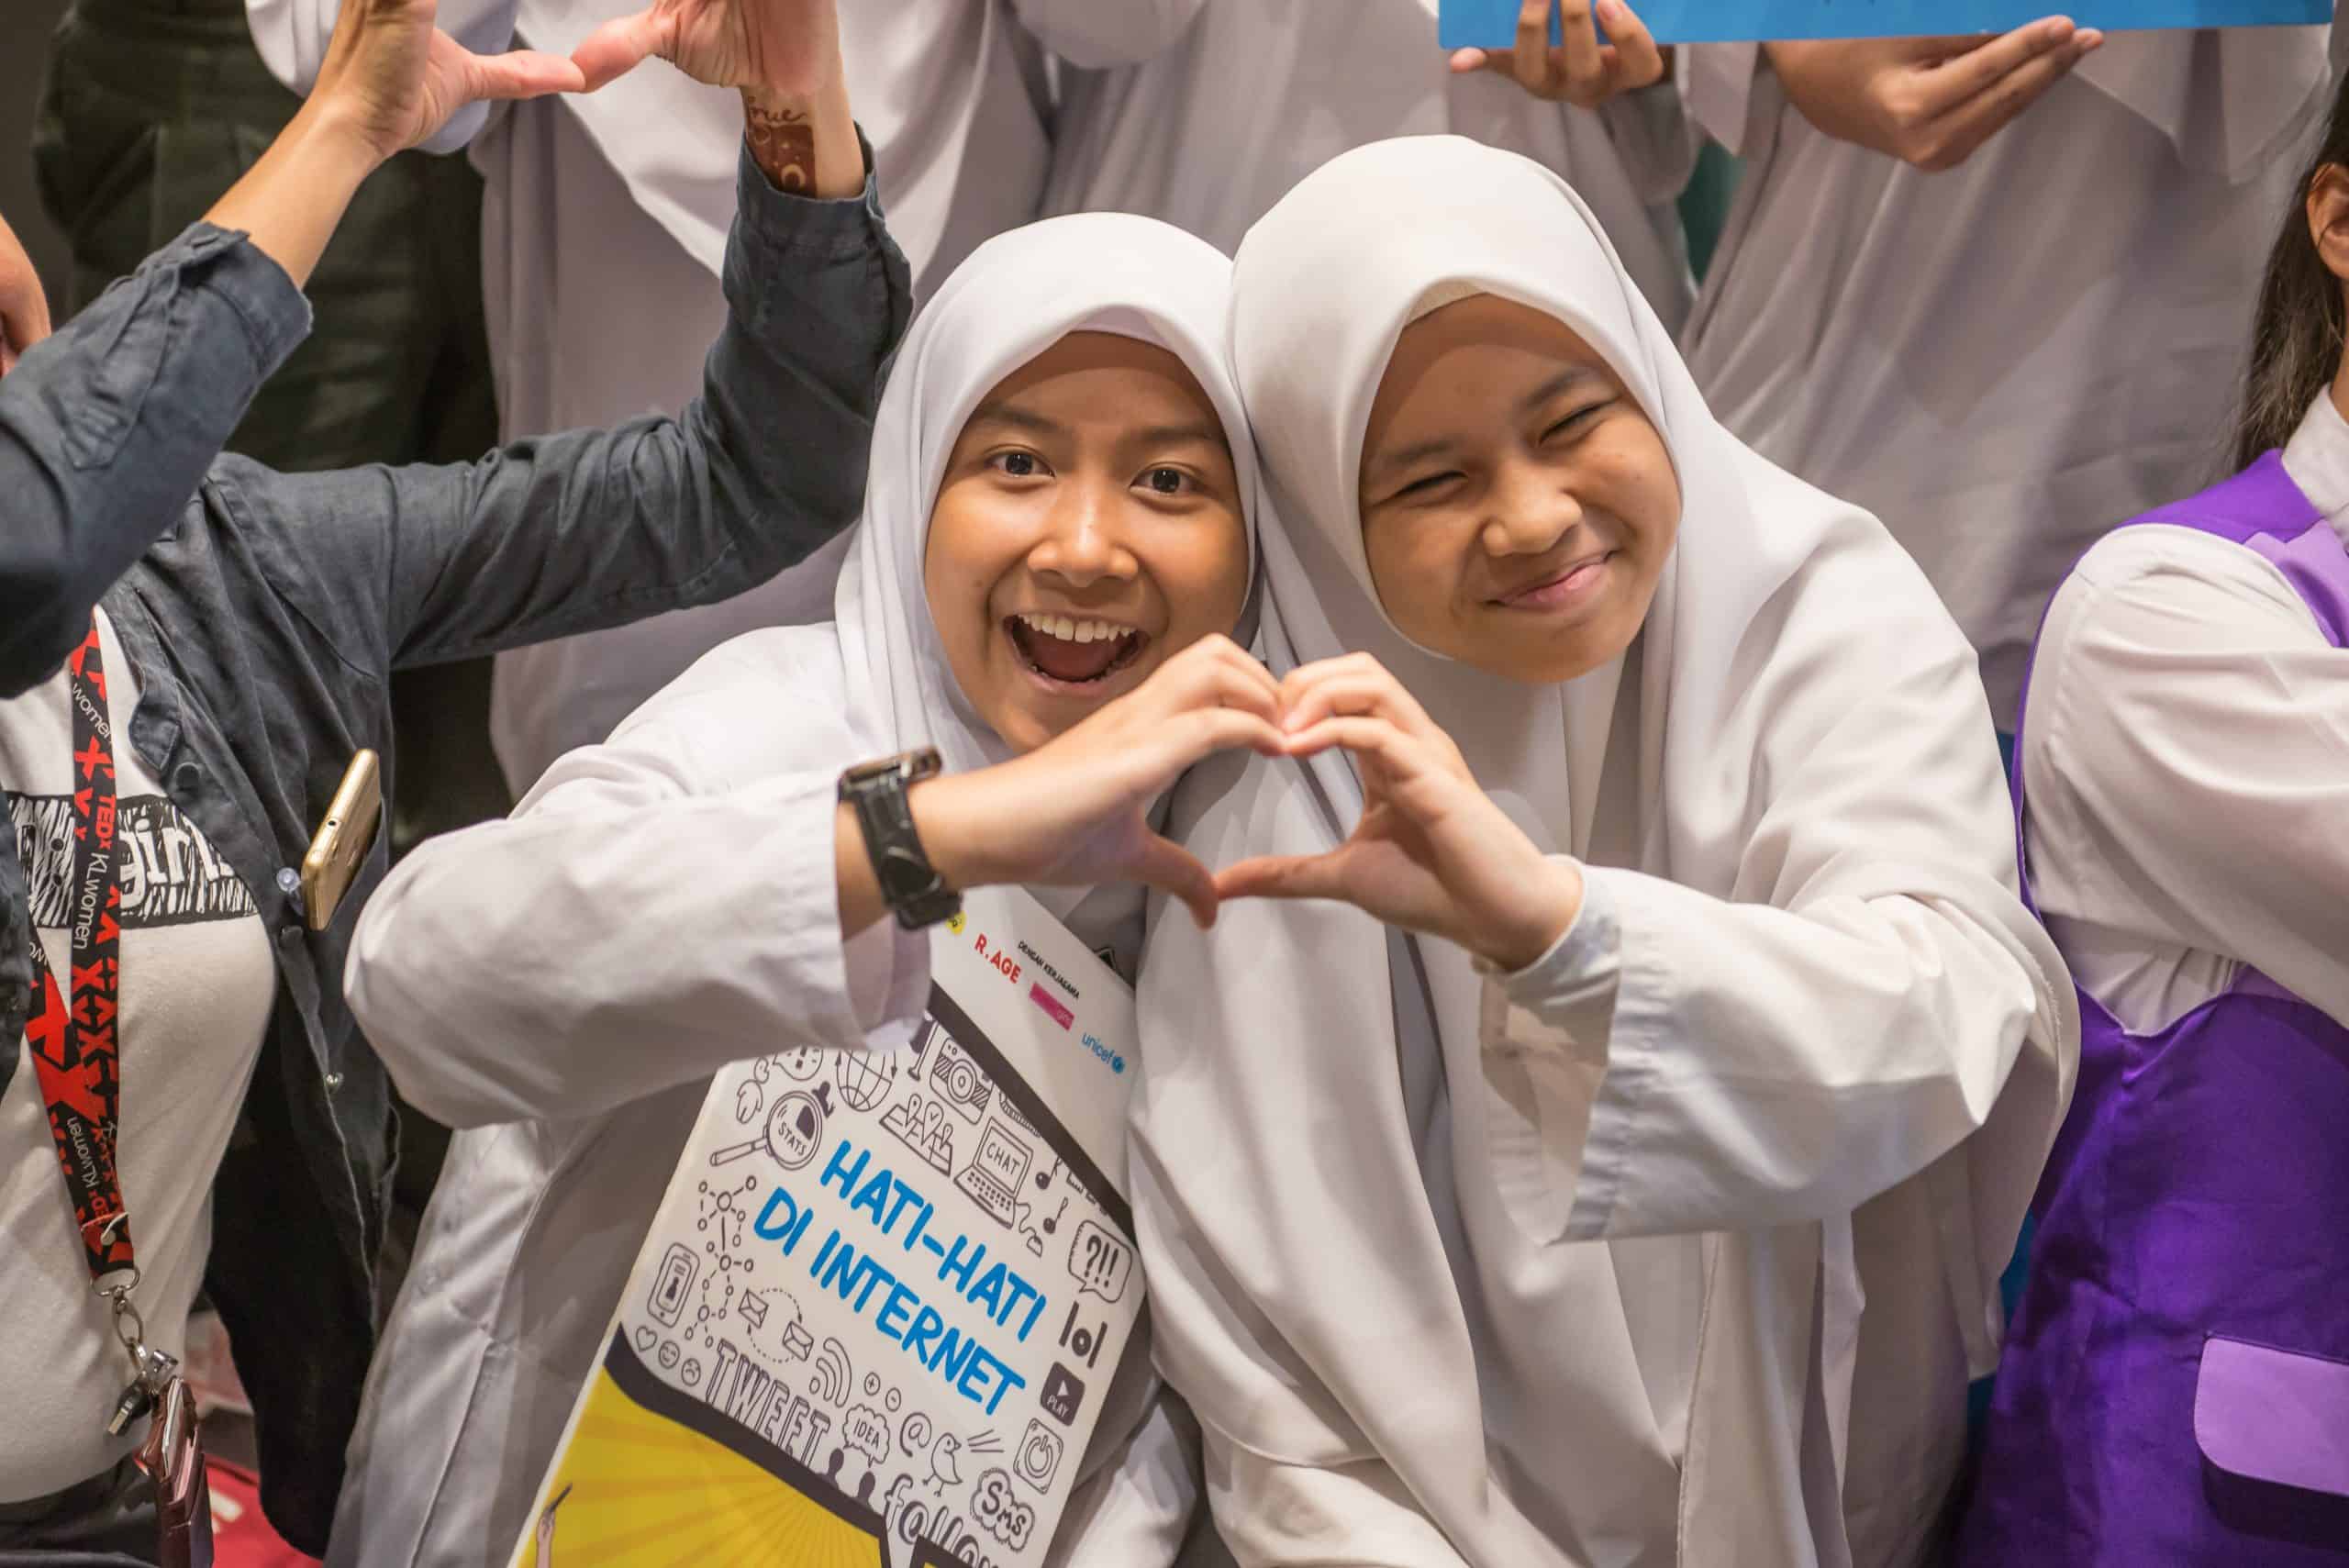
24	47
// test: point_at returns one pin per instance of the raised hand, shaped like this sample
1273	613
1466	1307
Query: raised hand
1582	70
1071	812
789	47
1928	102
1433	853
391	75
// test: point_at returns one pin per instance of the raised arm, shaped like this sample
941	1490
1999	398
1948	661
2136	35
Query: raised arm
107	428
291	38
692	891
577	532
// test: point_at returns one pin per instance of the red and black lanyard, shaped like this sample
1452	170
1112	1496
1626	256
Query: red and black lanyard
72	1033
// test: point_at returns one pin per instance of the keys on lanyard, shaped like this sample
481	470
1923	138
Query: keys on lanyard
151	1370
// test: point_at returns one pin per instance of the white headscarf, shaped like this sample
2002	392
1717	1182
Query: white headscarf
1333	1268
1018	295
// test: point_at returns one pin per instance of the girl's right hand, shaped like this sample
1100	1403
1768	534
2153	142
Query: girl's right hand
1928	102
1071	813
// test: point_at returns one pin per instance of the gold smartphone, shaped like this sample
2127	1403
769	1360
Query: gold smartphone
340	845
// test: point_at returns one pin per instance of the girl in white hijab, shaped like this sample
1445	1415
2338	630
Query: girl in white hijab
1530	1240
1060	453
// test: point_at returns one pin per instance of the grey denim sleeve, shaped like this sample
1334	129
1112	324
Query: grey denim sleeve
574	532
109	426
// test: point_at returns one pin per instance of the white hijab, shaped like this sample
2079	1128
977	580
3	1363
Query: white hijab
1018	295
1295	1151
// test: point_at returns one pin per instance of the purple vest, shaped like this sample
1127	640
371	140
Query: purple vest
2175	1387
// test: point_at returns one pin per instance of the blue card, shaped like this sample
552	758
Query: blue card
1492	24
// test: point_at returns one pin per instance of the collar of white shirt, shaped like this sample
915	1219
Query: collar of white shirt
2317	457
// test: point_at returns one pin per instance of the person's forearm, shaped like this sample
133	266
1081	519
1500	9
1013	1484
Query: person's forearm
107	427
289	202
952	842
806	146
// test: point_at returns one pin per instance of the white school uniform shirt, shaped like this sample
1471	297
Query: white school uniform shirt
198	982
1205	112
2004	360
604	224
2187	761
562	985
1577	1266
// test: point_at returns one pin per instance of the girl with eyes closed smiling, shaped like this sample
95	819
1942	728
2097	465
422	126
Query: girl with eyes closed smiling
1055	549
1593	1130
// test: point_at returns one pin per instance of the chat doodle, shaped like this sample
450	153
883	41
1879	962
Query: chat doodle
917	1122
992	1178
801	1063
1001	1511
1099	1263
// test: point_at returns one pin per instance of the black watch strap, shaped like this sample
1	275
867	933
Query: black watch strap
909	884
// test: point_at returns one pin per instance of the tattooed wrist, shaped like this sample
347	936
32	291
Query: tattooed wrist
782	134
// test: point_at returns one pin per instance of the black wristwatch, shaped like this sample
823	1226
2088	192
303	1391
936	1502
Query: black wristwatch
909	884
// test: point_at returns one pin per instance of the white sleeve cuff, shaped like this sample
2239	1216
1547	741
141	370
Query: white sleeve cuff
1548	1031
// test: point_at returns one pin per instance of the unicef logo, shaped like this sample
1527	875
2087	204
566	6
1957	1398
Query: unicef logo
1109	1059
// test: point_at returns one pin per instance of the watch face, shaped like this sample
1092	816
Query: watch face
906	876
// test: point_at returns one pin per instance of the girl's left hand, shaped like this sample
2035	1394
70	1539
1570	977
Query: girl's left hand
1433	853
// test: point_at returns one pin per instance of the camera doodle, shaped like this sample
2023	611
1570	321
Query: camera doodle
955	1079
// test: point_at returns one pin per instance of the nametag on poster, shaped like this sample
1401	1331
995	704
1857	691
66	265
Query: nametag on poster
881	1303
1492	24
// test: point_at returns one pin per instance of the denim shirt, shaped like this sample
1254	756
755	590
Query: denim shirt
264	622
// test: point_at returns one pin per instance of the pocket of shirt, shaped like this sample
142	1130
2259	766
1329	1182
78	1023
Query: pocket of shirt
2273	1428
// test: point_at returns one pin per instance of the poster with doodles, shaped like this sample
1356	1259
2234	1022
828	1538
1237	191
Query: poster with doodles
880	1306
